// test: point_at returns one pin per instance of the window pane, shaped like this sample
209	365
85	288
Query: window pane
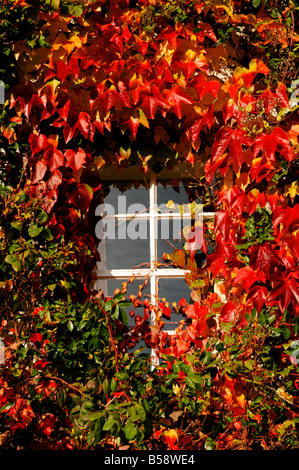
132	289
127	200
173	290
130	246
170	237
180	192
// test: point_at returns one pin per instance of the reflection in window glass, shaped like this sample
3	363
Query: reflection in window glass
132	289
123	200
179	192
173	290
131	251
170	237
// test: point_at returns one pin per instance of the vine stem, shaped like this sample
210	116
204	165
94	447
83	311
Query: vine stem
111	337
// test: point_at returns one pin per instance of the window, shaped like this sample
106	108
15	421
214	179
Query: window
144	216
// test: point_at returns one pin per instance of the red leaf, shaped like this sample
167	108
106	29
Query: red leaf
293	243
176	97
269	143
125	99
74	159
151	103
226	138
47	424
287	216
228	312
37	143
109	98
265	258
36	337
133	124
246	276
223	223
55	180
196	240
68	132
85	126
64	110
199	314
85	194
204	86
56	160
62	70
207	119
231	109
280	92
257	295
287	292
247	75
39	172
50	200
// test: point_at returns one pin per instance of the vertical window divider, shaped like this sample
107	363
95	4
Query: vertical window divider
153	251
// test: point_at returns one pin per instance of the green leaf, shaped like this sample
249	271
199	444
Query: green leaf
35	230
111	425
195	378
256	3
17	225
14	261
70	325
122	375
41	216
123	317
189	382
286	332
209	444
249	364
94	416
76	10
137	412
130	431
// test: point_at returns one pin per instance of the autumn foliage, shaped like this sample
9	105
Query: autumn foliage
151	84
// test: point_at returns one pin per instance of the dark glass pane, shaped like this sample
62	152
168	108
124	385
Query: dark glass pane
130	247
132	289
170	237
180	192
127	200
173	290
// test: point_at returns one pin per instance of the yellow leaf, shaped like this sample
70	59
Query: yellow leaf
171	205
227	9
293	134
143	119
292	190
241	401
178	257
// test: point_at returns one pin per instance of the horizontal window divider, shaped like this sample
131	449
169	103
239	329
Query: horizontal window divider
126	216
123	273
209	214
166	215
142	273
170	272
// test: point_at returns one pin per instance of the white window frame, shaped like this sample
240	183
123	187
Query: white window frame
153	273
